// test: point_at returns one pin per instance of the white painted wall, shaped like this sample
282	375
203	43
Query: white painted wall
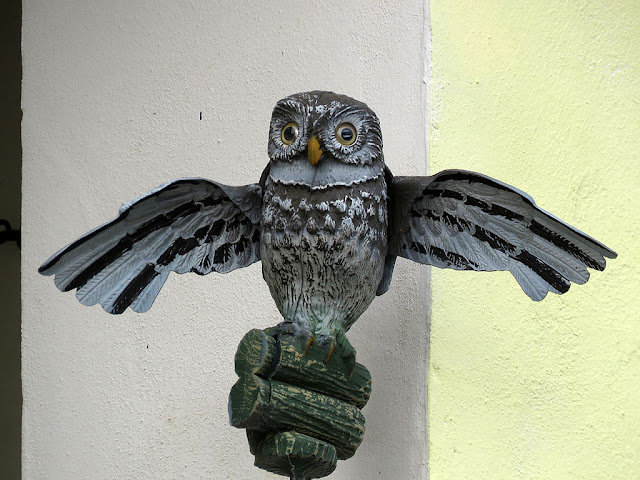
112	97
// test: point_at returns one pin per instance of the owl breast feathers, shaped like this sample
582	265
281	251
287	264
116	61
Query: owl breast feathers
328	220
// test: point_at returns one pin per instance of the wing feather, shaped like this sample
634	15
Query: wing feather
467	221
189	225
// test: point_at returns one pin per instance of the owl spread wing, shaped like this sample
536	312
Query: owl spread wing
467	221
189	225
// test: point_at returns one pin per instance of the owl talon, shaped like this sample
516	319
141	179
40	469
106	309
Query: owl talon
309	343
331	349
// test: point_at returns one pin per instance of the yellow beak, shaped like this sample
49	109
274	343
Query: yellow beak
313	149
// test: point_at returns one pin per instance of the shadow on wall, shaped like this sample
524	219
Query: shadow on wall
10	197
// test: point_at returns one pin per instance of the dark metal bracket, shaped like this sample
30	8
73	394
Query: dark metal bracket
9	235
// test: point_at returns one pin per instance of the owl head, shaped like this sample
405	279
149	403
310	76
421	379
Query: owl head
320	139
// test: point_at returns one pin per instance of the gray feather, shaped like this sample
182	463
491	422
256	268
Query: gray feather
467	221
187	225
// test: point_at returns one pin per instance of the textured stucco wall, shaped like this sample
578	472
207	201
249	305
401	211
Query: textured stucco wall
545	96
112	97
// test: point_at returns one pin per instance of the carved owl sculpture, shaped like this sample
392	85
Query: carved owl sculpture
327	219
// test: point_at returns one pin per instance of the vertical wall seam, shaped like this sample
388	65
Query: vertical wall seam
426	116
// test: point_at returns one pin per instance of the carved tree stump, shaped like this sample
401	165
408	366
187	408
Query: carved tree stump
300	408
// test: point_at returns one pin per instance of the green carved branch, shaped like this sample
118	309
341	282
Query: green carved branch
299	402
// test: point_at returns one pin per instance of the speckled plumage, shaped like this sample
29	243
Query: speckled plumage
323	252
328	220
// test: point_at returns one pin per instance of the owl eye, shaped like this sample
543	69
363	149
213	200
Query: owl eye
346	134
289	133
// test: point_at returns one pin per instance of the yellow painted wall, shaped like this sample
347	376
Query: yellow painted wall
545	96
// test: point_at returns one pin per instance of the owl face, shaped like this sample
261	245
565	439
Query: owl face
319	139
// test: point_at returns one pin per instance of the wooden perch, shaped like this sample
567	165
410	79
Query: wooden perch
300	403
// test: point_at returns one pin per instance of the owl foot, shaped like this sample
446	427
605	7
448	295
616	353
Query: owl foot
323	343
327	344
332	346
293	329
